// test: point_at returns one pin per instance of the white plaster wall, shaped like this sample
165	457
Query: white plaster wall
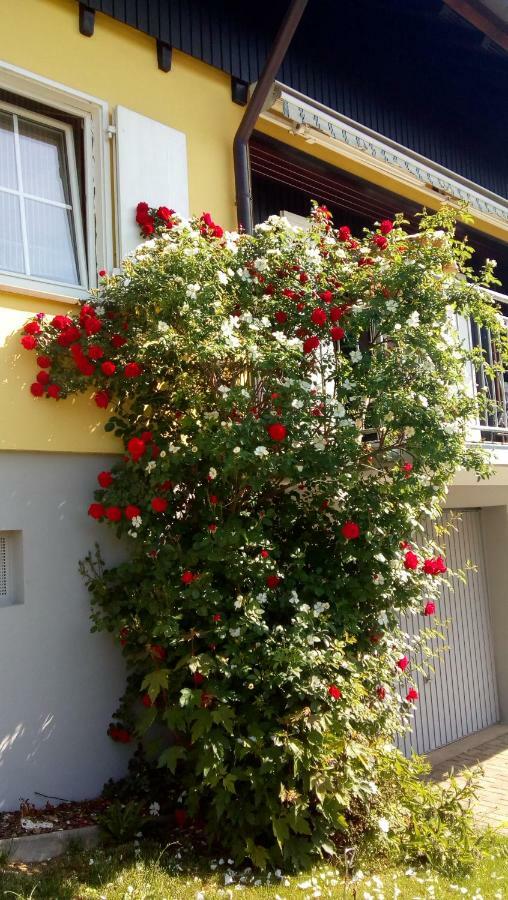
59	683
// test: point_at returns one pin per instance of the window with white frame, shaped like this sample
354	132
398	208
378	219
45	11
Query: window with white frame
56	228
41	228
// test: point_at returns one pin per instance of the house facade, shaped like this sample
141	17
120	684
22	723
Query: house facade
378	107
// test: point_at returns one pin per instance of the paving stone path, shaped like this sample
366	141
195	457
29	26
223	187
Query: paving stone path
492	754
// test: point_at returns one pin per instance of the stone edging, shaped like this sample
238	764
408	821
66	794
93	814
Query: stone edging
41	847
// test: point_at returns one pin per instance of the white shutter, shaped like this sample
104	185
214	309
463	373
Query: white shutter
151	166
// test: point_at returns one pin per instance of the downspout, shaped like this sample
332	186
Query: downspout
254	108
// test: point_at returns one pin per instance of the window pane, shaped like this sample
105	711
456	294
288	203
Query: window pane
8	176
51	245
43	161
11	243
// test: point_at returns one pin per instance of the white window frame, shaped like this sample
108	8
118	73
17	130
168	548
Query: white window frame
74	206
98	236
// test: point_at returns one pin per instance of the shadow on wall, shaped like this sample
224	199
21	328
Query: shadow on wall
29	423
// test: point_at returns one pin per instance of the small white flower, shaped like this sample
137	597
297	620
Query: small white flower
136	521
234	632
391	305
383	825
224	390
223	278
212	473
261	451
150	466
162	327
414	319
236	449
154	808
297	404
355	356
132	534
173	448
192	291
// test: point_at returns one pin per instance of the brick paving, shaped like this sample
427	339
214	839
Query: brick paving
491	753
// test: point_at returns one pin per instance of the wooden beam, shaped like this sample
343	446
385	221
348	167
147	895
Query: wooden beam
482	18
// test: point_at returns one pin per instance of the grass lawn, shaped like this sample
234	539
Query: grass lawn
169	874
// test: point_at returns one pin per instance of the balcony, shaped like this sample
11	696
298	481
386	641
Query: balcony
492	426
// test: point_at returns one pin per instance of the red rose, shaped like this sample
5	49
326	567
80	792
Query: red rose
118	341
403	663
337	333
146	700
365	261
344	233
132	370
113	513
334	692
42	377
303	278
36	389
157	651
277	431
119	734
141	212
61	322
213	499
412	695
136	448
212	528
29	342
159	504
435	566
381	692
216	617
350	530
318	316
430	608
148	226
164	213
91	324
96	510
198	678
218	231
188	577
407	467
180	817
131	511
44	362
411	560
105	479
32	328
102	273
386	226
54	391
68	336
95	352
281	317
146	436
207	219
310	344
264	554
380	241
336	313
102	399
124	634
326	296
108	368
272	581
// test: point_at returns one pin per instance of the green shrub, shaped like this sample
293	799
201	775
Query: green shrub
291	405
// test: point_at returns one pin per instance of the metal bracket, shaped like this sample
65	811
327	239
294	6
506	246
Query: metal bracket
239	91
164	56
86	20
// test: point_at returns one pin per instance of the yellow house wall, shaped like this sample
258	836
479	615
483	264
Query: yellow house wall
118	65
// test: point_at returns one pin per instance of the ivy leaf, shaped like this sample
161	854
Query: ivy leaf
281	831
146	720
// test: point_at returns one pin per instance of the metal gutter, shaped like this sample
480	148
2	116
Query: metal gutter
254	108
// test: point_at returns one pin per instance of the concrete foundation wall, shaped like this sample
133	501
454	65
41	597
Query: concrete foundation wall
59	683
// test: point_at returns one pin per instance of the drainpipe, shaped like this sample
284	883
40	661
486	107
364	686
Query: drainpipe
253	110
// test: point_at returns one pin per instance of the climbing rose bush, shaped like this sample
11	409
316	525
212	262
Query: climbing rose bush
289	406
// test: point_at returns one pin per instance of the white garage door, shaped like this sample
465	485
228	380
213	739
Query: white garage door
461	696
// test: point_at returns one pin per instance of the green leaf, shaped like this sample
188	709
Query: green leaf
258	854
155	682
281	831
146	720
229	783
170	757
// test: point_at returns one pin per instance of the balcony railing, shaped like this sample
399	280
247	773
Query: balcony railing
492	425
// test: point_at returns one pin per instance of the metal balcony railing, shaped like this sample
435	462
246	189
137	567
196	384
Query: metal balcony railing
493	424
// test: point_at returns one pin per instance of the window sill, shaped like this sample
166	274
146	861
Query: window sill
63	296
